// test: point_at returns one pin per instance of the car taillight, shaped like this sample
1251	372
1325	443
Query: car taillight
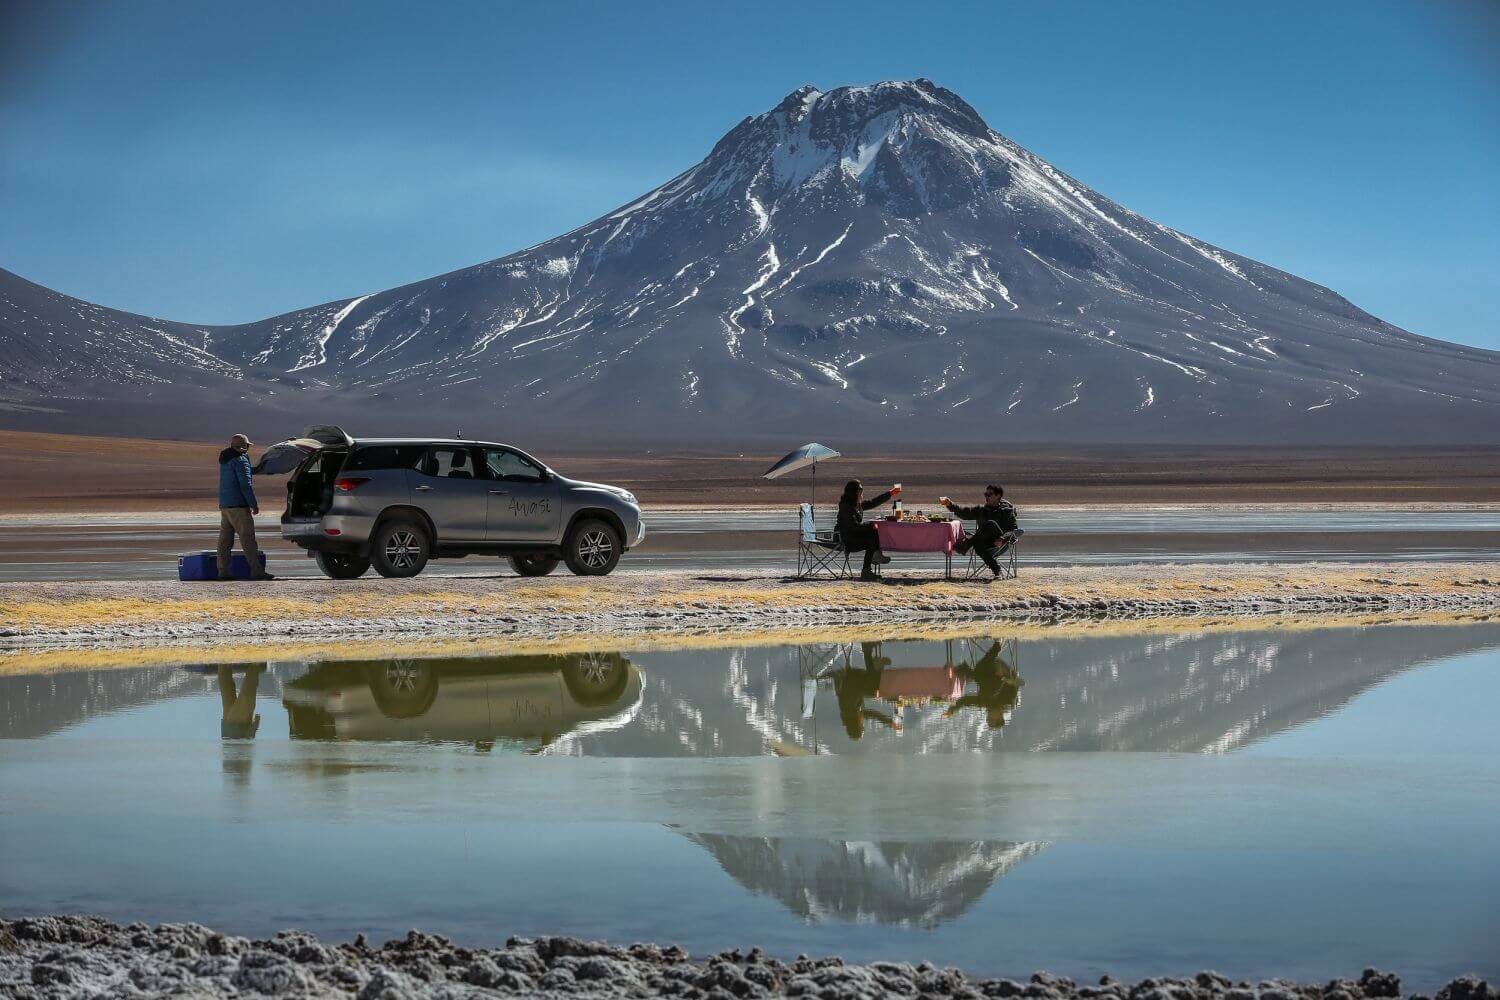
349	484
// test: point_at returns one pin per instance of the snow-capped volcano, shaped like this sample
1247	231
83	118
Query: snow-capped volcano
870	263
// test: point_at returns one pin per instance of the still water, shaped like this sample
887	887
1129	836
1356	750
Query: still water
1297	803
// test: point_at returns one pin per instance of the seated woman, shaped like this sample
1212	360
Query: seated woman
854	534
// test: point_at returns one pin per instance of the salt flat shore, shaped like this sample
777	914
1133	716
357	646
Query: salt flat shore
37	616
67	957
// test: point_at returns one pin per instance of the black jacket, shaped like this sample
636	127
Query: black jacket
1001	513
851	515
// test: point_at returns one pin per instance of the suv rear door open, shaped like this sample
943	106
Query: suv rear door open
524	499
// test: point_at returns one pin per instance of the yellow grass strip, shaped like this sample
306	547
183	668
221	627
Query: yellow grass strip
15	663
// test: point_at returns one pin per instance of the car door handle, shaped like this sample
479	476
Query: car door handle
421	489
499	493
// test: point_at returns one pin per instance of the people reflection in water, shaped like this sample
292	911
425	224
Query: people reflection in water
239	720
852	687
989	683
997	687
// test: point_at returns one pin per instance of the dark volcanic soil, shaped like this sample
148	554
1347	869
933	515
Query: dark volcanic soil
89	956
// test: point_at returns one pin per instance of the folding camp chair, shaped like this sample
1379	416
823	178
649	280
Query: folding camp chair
1006	556
819	553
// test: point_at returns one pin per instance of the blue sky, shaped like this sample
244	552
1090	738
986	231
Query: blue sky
222	162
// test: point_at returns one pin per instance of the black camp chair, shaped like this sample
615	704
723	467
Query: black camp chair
820	554
1006	556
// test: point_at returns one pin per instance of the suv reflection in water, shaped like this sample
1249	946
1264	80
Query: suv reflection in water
527	699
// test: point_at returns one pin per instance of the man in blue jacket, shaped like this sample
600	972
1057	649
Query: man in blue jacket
237	508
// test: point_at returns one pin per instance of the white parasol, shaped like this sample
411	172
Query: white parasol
801	458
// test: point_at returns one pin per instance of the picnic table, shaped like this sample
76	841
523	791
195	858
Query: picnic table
920	535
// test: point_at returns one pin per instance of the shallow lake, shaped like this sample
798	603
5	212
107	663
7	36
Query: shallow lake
1275	802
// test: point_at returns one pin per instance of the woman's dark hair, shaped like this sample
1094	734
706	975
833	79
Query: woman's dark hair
999	491
851	490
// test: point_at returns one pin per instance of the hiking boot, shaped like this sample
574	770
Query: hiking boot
869	576
882	558
264	576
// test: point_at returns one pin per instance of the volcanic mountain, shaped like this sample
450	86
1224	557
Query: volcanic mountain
867	264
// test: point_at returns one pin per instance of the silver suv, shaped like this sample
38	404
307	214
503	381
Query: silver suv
395	503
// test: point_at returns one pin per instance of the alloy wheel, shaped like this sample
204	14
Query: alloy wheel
401	549
595	549
402	676
596	671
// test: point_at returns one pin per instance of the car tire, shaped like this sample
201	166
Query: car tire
593	547
342	565
400	547
403	689
595	679
534	565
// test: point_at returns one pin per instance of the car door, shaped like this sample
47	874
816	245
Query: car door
524	499
449	485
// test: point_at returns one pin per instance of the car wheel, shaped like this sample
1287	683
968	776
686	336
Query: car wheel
595	678
400	548
341	565
534	565
593	548
403	689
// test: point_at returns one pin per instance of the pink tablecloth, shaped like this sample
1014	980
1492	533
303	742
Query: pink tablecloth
919	536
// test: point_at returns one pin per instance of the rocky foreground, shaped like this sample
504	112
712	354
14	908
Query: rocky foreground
89	956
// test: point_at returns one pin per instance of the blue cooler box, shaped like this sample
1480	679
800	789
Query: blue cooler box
205	566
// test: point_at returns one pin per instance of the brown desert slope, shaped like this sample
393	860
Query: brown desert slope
41	472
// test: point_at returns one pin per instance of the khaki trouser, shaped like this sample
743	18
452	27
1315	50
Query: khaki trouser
237	521
239	720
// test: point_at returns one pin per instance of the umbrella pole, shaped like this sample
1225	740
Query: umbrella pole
813	506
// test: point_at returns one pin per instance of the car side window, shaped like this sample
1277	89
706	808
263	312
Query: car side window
512	467
385	456
449	462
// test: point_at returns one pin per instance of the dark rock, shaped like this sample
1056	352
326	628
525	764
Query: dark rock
484	971
270	973
51	975
557	979
552	948
1467	988
522	960
386	984
1375	983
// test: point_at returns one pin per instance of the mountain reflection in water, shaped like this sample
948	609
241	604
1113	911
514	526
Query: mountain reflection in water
910	884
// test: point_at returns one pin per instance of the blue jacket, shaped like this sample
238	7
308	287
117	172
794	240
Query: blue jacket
234	480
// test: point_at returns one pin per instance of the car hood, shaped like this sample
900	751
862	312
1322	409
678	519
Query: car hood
614	491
